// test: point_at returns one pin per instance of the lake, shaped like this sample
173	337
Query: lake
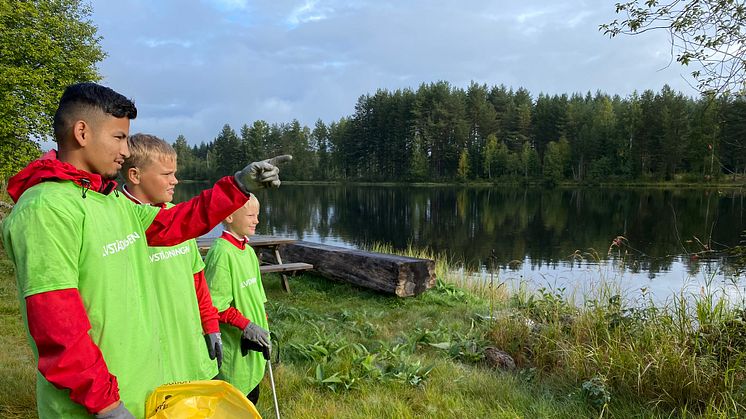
649	241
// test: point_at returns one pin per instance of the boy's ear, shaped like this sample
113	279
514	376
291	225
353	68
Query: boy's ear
133	176
229	219
81	132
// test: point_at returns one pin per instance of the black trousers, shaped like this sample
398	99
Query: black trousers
253	395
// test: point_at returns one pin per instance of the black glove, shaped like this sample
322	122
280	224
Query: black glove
261	174
250	345
215	347
120	412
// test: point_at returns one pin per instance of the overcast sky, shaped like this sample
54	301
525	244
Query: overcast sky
192	66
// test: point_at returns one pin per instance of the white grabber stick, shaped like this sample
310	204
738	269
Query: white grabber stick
272	383
248	345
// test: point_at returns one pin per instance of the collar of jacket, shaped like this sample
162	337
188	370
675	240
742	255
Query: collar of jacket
134	199
48	168
235	240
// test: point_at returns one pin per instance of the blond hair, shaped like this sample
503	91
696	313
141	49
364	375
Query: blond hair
145	149
252	202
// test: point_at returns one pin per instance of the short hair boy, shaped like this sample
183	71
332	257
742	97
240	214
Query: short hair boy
232	273
185	306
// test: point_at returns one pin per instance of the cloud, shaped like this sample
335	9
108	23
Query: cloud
155	43
274	105
228	5
580	17
193	66
310	11
531	15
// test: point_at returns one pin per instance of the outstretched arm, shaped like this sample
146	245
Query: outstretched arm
197	216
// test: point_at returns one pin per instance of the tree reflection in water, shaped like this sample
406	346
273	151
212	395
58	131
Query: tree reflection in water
666	231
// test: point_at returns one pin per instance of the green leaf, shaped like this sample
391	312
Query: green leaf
334	378
442	345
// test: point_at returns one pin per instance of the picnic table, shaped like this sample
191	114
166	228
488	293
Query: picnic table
272	245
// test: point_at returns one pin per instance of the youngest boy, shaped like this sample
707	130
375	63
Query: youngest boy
232	272
185	307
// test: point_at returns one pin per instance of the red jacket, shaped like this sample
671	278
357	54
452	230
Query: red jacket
57	320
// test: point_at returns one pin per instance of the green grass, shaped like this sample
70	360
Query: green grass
442	330
320	317
352	353
686	357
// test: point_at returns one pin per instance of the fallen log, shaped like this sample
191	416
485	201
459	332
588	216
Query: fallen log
393	274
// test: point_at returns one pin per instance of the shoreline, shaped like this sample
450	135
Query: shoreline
531	184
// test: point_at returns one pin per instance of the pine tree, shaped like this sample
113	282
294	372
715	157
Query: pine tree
463	166
419	167
556	160
320	142
185	160
490	155
227	153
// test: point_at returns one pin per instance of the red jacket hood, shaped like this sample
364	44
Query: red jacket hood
48	168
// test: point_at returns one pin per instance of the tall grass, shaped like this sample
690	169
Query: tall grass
685	357
450	272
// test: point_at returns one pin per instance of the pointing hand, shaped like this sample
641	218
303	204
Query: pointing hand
261	174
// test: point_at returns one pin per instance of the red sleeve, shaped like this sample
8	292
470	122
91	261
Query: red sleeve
207	312
197	216
234	317
68	358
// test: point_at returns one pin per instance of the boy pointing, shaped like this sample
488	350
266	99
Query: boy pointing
184	303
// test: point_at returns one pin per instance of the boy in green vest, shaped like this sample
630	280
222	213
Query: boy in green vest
85	287
232	271
186	310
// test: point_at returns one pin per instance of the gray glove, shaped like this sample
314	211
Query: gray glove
120	412
256	333
215	347
261	174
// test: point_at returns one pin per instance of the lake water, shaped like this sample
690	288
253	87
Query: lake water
647	241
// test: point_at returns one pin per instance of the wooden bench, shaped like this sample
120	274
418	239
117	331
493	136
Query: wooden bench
285	267
267	246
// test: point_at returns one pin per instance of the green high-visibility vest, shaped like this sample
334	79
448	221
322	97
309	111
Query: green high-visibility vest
234	280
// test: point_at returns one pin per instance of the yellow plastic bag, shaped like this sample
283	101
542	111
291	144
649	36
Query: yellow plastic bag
199	400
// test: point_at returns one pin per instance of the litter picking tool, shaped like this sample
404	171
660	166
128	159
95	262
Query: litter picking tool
250	345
